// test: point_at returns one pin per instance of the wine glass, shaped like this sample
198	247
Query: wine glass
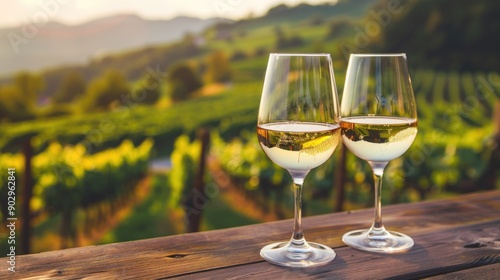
298	129
378	124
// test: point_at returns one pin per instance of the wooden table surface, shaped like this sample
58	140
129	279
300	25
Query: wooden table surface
457	238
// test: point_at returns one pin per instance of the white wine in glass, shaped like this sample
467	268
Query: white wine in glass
379	124
298	129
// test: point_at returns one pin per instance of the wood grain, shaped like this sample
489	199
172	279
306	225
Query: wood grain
453	237
433	255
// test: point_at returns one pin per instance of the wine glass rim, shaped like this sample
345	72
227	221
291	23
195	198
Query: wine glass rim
378	54
299	54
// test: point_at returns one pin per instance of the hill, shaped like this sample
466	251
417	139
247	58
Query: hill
283	14
444	34
93	47
36	46
457	37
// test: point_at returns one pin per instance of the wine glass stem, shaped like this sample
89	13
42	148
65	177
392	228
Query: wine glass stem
378	173
298	234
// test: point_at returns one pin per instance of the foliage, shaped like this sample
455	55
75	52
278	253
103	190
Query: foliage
149	90
284	42
184	158
451	152
184	81
20	97
339	27
83	179
72	87
12	105
454	108
243	158
238	55
106	91
29	85
458	34
99	131
7	161
56	110
304	12
68	179
218	68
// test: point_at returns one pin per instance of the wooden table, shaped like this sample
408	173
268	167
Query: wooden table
454	238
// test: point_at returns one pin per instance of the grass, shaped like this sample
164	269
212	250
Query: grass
219	214
151	218
155	218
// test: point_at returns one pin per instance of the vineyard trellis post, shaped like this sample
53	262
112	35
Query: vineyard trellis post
198	185
27	193
490	176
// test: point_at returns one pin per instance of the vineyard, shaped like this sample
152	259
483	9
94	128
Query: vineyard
455	146
70	180
92	174
92	177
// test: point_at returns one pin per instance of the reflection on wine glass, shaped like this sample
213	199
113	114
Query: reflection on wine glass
298	130
379	123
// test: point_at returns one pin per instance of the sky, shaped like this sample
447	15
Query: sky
17	12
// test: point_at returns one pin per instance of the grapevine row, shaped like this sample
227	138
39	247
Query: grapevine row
68	179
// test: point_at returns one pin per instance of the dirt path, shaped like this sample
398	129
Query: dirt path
236	198
52	241
140	193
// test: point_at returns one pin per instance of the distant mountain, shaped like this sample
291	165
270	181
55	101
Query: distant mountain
32	47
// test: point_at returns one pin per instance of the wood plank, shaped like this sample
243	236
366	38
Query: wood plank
435	254
237	249
483	272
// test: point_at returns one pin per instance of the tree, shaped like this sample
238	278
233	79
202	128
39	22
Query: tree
283	42
218	68
149	91
339	27
72	87
443	34
238	55
19	99
183	82
29	86
14	108
3	108
110	89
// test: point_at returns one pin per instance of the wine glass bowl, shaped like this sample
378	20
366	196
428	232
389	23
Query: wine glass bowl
298	129
379	124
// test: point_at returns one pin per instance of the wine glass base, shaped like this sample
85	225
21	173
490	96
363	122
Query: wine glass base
309	255
386	242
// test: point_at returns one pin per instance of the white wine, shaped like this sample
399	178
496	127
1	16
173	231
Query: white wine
298	146
378	138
